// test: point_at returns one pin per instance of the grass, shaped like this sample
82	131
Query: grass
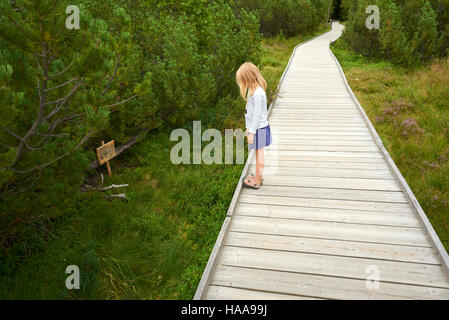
156	244
409	109
151	247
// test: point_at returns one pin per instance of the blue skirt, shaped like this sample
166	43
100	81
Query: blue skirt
262	138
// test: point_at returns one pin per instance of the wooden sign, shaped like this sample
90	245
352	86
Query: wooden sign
105	153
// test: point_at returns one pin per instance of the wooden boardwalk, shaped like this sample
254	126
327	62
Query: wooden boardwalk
334	210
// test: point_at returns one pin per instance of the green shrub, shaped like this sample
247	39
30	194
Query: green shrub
169	60
411	32
289	17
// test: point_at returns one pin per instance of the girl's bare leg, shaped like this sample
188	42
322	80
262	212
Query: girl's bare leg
260	163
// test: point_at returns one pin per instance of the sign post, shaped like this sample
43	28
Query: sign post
105	153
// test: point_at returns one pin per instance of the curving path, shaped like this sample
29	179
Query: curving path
334	211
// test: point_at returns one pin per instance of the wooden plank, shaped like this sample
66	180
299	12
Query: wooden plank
330	100
317	112
284	147
331	230
322	132
320	163
334	247
335	172
329	215
345	133
324	142
292	105
287	136
299	165
315	116
328	193
313	96
299	127
333	183
333	265
287	122
229	293
302	106
325	203
350	155
271	158
319	286
288	118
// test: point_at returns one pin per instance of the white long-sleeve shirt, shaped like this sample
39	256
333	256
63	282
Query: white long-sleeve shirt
256	114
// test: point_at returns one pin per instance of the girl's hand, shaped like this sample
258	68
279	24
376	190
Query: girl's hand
250	138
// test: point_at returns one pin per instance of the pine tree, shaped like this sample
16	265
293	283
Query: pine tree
356	34
57	90
425	39
393	39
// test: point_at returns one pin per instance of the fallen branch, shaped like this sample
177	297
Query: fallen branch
112	186
116	196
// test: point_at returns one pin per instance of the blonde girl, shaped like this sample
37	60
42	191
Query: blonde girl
252	88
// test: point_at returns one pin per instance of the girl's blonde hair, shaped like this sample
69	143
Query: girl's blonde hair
249	78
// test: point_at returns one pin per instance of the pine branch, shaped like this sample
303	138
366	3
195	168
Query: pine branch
18	27
5	145
50	77
42	100
113	76
122	102
82	142
61	101
62	85
21	139
51	135
15	43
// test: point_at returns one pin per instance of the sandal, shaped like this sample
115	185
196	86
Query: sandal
261	181
246	182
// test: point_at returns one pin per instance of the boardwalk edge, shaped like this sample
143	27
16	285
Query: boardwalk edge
419	212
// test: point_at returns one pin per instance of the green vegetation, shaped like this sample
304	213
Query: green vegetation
153	246
411	32
287	17
137	69
409	110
